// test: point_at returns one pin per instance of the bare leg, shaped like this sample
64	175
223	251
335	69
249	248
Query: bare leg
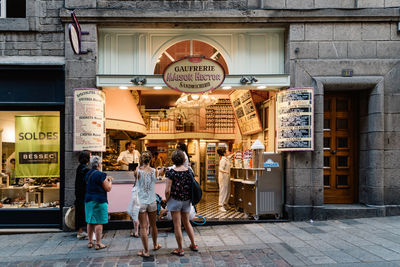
90	229
154	231
188	227
143	231
99	233
136	225
176	218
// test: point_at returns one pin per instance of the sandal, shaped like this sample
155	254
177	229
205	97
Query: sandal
142	254
157	247
134	235
100	246
193	248
178	252
90	245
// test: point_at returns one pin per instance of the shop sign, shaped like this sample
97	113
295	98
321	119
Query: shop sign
245	112
75	35
295	108
37	146
194	75
89	120
269	163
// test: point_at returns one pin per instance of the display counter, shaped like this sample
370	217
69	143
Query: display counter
120	194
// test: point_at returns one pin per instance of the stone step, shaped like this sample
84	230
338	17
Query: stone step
351	211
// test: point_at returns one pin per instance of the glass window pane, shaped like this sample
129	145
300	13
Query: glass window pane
342	180
327	123
327	180
342	142
341	124
30	157
327	105
327	162
342	105
342	161
327	142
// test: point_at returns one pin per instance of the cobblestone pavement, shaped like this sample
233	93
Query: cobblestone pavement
356	242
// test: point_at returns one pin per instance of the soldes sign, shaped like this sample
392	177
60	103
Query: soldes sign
194	74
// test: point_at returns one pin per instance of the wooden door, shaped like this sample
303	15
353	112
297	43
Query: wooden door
340	157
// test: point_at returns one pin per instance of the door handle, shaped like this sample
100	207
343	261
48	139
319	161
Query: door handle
333	152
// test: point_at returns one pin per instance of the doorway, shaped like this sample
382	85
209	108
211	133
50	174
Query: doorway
340	148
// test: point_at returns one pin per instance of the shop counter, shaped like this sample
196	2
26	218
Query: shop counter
120	194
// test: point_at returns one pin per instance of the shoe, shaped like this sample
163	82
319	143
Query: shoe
94	237
81	235
222	209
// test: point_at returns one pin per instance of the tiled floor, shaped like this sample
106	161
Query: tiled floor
208	208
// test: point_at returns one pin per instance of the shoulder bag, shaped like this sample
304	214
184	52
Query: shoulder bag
196	190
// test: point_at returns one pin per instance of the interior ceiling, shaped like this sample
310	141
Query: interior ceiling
154	99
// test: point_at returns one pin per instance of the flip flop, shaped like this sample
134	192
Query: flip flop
178	252
101	246
142	254
90	245
157	247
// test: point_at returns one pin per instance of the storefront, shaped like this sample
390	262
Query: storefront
32	146
241	109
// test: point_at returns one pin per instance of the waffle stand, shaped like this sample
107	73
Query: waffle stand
258	190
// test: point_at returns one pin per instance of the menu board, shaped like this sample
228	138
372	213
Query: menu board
245	112
295	119
89	120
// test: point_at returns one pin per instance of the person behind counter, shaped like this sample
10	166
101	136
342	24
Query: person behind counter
80	191
96	204
223	178
130	155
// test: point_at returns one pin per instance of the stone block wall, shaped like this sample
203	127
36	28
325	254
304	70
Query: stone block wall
371	49
80	72
44	35
315	4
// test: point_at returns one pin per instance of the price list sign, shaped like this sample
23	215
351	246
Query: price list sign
295	119
245	112
89	120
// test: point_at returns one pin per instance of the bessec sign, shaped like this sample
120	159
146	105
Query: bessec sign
194	75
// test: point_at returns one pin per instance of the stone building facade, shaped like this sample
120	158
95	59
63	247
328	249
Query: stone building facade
322	38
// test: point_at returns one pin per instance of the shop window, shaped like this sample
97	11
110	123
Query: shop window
341	124
342	161
342	142
12	8
327	123
327	163
327	181
342	180
342	105
187	48
327	142
30	154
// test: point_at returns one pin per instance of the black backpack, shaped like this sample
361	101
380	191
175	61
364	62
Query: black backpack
196	190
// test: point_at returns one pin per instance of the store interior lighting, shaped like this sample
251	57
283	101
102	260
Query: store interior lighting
123	87
195	100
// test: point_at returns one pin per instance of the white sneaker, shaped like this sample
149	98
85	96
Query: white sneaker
94	237
222	209
81	235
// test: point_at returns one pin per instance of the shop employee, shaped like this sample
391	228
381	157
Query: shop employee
130	155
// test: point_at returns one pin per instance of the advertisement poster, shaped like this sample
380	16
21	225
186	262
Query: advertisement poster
295	119
89	120
37	146
245	112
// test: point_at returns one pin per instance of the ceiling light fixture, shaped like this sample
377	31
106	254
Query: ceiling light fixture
226	87
261	87
195	100
157	87
123	87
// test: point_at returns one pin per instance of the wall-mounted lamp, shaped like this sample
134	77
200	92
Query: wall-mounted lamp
248	80
139	80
